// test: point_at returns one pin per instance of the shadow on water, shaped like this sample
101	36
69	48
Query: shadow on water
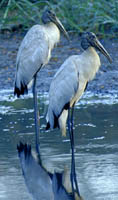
96	137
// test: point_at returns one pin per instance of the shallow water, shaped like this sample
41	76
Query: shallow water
96	144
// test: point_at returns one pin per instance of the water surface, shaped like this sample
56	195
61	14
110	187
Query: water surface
96	144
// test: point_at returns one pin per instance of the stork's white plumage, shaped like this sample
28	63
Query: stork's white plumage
71	79
34	53
35	50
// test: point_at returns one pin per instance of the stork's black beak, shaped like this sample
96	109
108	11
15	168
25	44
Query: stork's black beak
100	47
60	26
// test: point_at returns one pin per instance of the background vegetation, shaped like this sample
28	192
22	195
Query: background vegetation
99	16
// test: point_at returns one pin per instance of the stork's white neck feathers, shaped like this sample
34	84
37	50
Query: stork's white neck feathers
90	63
53	34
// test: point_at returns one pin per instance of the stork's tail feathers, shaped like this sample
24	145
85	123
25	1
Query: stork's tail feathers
20	91
53	123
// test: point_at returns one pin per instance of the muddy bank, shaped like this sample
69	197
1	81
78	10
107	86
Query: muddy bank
106	79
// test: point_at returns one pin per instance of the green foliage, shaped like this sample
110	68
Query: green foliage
16	12
99	16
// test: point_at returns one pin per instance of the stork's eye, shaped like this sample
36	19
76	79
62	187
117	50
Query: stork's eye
92	36
51	13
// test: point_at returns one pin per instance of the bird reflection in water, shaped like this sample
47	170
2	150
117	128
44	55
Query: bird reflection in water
42	184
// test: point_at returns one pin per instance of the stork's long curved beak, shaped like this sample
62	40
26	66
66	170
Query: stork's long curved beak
61	27
100	47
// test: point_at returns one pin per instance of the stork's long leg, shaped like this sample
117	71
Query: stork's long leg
72	164
36	116
73	157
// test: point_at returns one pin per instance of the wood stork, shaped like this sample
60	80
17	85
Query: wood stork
70	81
41	183
69	84
34	53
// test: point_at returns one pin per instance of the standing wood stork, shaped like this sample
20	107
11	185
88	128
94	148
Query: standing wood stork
34	53
70	81
69	84
41	183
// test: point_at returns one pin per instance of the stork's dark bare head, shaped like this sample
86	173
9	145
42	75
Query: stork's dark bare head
89	39
49	16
